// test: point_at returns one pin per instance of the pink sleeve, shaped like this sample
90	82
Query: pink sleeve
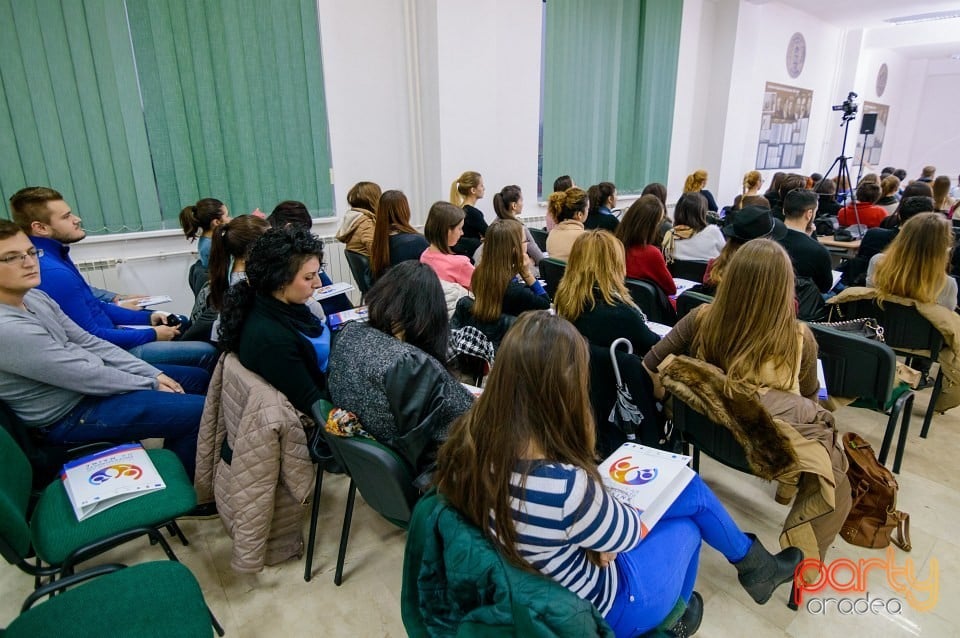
466	274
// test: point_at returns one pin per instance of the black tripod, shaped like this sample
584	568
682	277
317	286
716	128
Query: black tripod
843	170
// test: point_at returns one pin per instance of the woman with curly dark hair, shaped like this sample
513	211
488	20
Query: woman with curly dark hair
266	322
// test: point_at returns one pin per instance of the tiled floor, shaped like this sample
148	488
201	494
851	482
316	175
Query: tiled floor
278	602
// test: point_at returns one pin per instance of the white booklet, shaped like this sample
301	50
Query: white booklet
647	479
154	300
337	320
332	290
99	481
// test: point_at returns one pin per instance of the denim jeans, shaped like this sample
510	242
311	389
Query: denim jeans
142	414
197	354
663	567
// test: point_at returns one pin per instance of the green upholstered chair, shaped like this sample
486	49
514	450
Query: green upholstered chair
52	530
111	601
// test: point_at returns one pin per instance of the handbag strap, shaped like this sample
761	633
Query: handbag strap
902	536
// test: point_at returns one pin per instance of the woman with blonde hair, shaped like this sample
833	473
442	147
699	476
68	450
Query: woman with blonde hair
394	239
914	265
356	231
638	231
464	192
752	181
520	466
569	208
592	294
696	183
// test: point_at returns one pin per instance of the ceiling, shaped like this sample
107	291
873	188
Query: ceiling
926	40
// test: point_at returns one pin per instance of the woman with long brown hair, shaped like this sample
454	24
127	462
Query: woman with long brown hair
692	238
394	239
519	465
503	283
356	231
638	230
592	294
914	265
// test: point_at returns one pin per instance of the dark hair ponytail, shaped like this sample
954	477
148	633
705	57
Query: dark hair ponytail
237	303
198	218
504	199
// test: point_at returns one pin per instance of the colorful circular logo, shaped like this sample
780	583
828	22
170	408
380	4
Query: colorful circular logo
111	472
622	471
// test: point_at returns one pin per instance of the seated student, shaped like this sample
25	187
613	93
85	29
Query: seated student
889	187
810	258
502	283
867	211
942	201
751	222
913	189
560	184
356	231
394	239
876	240
659	191
443	229
200	220
603	200
520	465
464	193
390	371
692	238
827	191
914	265
293	214
569	208
508	204
787	183
638	233
228	261
593	296
266	322
696	183
71	387
52	226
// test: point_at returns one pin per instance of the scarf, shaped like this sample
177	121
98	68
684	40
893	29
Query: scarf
677	232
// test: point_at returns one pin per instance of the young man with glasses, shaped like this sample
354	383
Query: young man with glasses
73	387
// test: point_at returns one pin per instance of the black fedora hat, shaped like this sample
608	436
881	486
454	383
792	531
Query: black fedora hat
754	222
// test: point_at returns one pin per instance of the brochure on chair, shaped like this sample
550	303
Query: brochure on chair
647	479
110	477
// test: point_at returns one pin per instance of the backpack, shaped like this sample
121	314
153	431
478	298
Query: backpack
874	515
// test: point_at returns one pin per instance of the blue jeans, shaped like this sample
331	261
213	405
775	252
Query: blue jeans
663	567
197	354
142	414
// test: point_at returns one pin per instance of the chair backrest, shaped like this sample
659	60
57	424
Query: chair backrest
854	366
360	269
692	270
652	301
15	485
495	331
45	461
904	328
688	300
709	437
540	237
383	478
552	272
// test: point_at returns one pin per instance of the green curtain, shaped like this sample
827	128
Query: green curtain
70	113
610	69
234	102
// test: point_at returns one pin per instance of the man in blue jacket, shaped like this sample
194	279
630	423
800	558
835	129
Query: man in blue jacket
52	226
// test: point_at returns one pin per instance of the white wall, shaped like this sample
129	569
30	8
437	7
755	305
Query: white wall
936	138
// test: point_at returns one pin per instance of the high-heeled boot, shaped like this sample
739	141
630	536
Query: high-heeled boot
761	572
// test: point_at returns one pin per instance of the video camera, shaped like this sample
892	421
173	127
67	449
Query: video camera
849	107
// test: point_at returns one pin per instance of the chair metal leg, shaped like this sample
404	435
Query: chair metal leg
696	459
175	530
907	407
937	387
217	627
345	534
905	400
314	515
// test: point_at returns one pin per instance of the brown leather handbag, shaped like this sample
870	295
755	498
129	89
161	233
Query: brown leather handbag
874	516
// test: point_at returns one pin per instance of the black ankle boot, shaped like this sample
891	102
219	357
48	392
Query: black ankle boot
689	622
761	572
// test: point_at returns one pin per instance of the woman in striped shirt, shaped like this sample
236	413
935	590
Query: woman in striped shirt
525	472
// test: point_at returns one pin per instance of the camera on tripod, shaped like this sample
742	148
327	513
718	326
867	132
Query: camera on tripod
849	107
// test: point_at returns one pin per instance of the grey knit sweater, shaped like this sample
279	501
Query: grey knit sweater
48	363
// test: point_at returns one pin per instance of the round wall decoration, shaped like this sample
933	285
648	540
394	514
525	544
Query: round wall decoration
796	54
881	80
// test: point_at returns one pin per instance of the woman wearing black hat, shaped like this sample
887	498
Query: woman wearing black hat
752	222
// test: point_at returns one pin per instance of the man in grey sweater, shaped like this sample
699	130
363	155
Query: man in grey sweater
73	387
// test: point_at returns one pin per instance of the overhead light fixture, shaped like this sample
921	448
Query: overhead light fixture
925	17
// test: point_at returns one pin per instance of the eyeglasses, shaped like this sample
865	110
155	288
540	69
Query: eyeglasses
33	253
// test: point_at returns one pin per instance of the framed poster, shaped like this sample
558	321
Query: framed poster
874	140
784	122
